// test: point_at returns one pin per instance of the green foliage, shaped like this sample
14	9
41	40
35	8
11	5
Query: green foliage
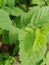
30	57
5	22
39	2
9	61
40	40
13	35
10	3
47	59
2	3
16	48
40	16
5	37
6	59
15	11
25	26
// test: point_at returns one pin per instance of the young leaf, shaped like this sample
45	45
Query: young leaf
40	40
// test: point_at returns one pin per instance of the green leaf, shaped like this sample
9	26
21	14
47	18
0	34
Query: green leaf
26	17
1	31
13	35
6	55
40	40
47	58
40	16
5	22
9	60
39	2
2	3
28	57
29	40
5	36
47	1
15	11
17	1
10	3
47	36
16	48
17	22
1	56
45	29
28	52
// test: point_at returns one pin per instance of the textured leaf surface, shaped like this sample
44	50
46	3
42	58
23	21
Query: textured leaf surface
40	16
40	40
29	40
15	11
5	22
26	18
28	52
